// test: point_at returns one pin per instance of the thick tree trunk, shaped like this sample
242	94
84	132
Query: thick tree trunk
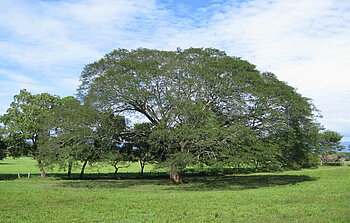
175	178
70	166
41	169
83	169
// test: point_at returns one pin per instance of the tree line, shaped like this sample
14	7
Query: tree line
175	108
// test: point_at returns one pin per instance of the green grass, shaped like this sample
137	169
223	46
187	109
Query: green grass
25	165
311	195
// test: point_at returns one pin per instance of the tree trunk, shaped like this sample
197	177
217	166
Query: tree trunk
83	169
70	166
142	165
182	145
41	169
116	171
175	178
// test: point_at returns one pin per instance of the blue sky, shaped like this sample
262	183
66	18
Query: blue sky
44	45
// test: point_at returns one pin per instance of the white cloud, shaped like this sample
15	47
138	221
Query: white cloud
12	82
304	43
12	76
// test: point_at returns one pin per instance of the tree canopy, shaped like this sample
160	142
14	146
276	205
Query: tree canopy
78	133
328	143
186	107
22	123
202	101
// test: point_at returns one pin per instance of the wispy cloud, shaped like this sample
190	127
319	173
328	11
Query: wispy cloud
45	44
305	43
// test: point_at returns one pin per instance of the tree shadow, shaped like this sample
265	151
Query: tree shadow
11	176
5	163
243	182
206	183
111	184
87	176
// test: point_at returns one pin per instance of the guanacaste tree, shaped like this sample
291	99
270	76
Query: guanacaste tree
199	101
22	123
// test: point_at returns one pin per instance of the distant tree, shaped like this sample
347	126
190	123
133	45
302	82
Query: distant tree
118	158
141	149
22	123
345	155
329	143
325	158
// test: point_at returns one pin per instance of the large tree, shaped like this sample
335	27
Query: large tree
22	123
199	100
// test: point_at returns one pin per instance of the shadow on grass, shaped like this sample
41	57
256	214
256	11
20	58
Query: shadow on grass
154	174
244	182
206	183
6	164
87	176
192	182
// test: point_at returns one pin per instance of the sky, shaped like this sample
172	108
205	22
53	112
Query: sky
45	44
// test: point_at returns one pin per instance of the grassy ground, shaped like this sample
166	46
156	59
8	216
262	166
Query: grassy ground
25	165
314	195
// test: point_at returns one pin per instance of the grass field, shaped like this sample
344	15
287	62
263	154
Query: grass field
25	165
311	195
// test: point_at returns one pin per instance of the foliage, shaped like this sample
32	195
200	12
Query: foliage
198	106
344	155
198	99
178	162
118	160
329	143
23	119
79	133
22	123
139	145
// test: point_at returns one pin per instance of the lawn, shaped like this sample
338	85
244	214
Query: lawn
25	165
310	195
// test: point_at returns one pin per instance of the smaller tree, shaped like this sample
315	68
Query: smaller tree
345	155
328	143
118	158
139	145
22	123
79	133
